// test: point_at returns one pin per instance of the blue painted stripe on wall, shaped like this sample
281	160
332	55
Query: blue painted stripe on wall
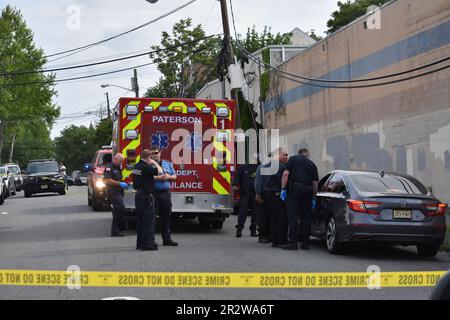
405	49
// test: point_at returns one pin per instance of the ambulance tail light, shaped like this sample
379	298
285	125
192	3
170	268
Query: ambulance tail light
131	110
131	135
222	112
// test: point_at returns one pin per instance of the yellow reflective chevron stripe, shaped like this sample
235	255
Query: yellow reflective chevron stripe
226	174
219	188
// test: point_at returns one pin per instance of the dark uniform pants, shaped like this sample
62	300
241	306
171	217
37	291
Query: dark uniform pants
299	208
278	217
145	220
163	208
247	202
118	213
263	217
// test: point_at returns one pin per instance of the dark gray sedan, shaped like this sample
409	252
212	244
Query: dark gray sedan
391	208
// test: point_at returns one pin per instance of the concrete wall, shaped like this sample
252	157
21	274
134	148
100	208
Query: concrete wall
404	127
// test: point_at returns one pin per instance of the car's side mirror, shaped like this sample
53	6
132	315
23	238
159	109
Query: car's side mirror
88	167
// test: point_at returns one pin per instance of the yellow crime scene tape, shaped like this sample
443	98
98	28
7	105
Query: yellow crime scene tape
81	279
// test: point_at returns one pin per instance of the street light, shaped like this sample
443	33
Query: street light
113	85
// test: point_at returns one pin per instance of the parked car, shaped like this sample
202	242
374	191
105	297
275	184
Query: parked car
44	176
96	187
2	192
14	169
8	178
390	208
83	178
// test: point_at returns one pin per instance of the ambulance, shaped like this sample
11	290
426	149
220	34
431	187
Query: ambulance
196	136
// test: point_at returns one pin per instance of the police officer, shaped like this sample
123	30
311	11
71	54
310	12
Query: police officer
245	181
302	178
163	199
272	191
143	181
114	189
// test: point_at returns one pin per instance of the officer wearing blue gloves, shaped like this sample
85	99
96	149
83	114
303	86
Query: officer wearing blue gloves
272	194
112	177
302	177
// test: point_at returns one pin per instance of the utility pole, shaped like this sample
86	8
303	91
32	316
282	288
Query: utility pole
107	105
230	56
135	84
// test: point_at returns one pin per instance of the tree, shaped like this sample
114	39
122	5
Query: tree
252	42
186	69
20	105
75	146
349	11
103	133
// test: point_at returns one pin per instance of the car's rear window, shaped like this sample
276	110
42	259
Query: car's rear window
104	159
387	184
43	167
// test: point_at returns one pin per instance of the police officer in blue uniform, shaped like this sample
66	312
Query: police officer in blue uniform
143	181
245	180
163	198
112	177
302	178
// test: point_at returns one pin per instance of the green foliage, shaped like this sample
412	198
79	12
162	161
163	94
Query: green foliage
22	107
185	69
349	11
75	146
103	133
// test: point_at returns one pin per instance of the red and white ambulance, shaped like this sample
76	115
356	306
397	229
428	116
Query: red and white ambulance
195	135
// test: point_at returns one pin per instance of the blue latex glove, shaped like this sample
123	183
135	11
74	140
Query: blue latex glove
313	204
124	185
283	195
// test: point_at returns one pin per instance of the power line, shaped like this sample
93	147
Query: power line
91	45
106	61
87	76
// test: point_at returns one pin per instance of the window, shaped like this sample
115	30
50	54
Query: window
36	167
336	184
322	183
387	184
104	159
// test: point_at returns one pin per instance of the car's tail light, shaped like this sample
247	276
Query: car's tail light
436	209
370	207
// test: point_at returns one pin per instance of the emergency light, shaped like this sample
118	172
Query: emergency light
131	135
192	110
148	109
222	112
206	110
132	110
222	136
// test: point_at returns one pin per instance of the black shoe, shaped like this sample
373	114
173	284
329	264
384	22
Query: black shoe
254	233
151	247
238	233
119	234
305	246
276	245
290	246
263	240
170	243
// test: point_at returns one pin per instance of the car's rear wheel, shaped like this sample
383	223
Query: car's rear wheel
28	194
428	250
217	225
332	237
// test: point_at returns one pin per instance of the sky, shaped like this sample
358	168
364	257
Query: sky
60	25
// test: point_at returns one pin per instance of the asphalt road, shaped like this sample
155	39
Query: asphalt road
51	232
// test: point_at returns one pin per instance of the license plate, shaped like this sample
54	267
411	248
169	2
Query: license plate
402	214
44	186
